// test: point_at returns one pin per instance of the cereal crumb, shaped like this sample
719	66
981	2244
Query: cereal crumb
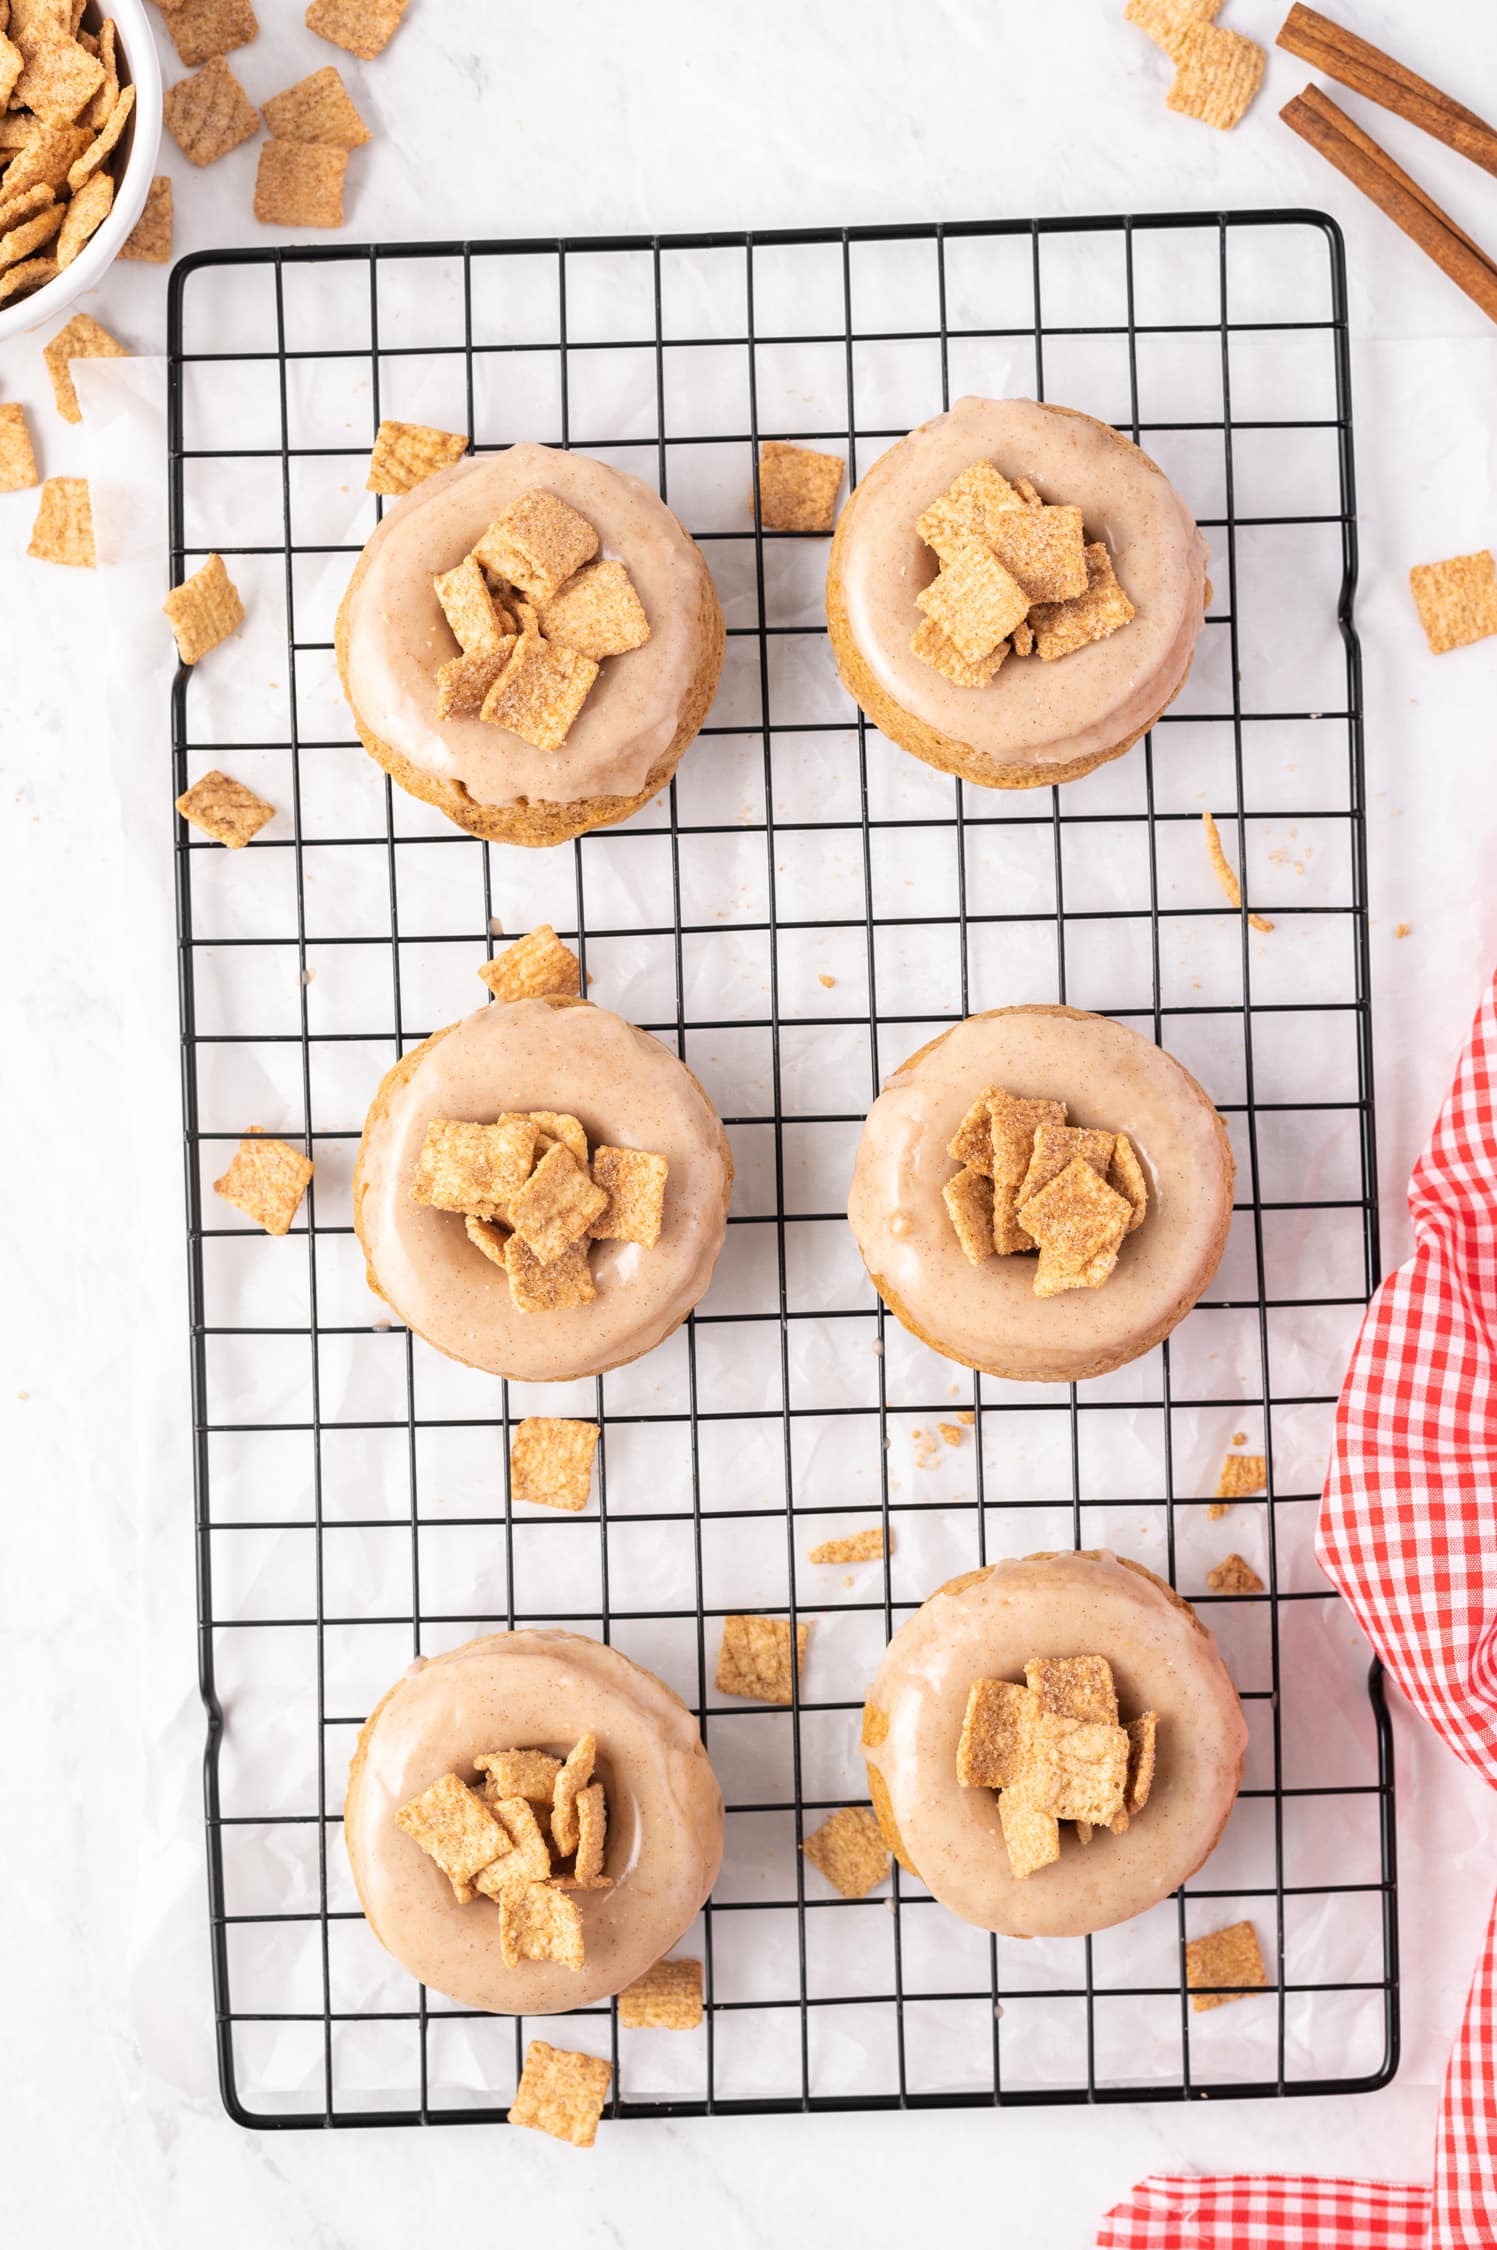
1234	1576
1226	874
858	1546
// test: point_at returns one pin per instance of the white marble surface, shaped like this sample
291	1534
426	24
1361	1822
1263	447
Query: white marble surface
585	118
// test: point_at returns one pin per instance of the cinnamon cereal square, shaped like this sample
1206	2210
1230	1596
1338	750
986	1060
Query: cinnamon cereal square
559	1286
204	610
300	184
464	681
632	1181
1074	1687
850	1851
406	453
990	1751
966	510
539	1923
151	237
1224	1957
364	27
537	544
201	29
1456	600
754	1660
798	488
474	1168
551	1464
469	607
534	968
540	691
559	2093
17	460
454	1827
935	647
597	612
666	1998
209	113
556	1206
1045	549
266	1180
224	809
968	1197
1031	1836
974	600
317	108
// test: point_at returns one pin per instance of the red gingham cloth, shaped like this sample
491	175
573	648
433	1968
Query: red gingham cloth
1408	1532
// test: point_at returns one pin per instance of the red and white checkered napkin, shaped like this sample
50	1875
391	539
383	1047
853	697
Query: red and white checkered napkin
1408	1531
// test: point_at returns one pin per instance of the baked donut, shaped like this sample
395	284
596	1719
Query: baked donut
541	1690
1035	722
987	1316
989	1625
626	1090
645	708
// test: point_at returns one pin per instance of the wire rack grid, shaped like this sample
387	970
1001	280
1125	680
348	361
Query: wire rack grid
803	907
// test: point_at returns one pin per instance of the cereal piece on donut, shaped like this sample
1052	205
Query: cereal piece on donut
454	1827
1229	1956
597	612
1060	628
539	1923
556	1125
224	809
464	681
975	600
666	1998
968	1197
266	1181
1075	1769
486	1236
560	1286
531	1853
935	647
1142	1734
1027	493
473	1168
633	1181
1079	1223
540	691
1022	643
972	1142
1032	1836
537	544
966	509
551	1463
592	1835
557	1204
1074	1687
561	2093
797	487
755	1659
1126	1174
1054	1148
570	1782
204	610
534	968
850	1851
1012	1125
406	453
990	1753
530	1774
470	609
1045	549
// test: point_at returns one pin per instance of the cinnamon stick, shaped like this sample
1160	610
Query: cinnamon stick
1327	129
1327	45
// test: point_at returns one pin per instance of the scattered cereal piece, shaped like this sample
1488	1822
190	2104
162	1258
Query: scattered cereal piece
454	1827
1226	874
318	108
82	338
225	809
556	1206
1234	1576
486	1236
968	1198
592	1836
530	1774
537	544
830	982
858	1546
573	1778
990	1753
17	460
1075	1769
967	509
1126	1174
1079	1223
64	527
1456	600
1045	549
266	1180
597	612
537	967
1032	1836
1403	929
666	1998
551	1463
539	1923
560	2093
1062	627
469	608
464	681
798	488
1217	73
633	1184
201	29
1242	1474
975	601
1229	1956
151	237
1164	20
1074	1687
474	1168
300	184
850	1851
934	646
559	1286
84	216
204	610
59	80
540	691
209	113
754	1659
364	27
1055	1146
406	453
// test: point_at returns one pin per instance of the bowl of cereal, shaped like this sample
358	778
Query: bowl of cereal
78	148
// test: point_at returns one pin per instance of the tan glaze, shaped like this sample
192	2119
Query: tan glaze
542	1691
988	1316
629	1092
987	1626
644	709
1035	723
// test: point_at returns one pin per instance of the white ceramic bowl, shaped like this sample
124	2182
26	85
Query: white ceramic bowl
133	164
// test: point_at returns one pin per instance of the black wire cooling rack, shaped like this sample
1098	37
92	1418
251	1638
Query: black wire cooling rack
803	907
